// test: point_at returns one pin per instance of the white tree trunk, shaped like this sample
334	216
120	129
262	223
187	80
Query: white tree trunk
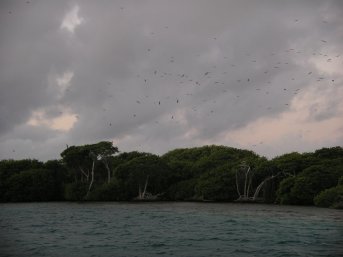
249	185
92	180
258	189
146	184
246	194
108	172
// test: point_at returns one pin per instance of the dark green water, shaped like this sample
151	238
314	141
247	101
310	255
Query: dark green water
168	229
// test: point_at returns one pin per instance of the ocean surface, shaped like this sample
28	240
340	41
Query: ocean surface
168	229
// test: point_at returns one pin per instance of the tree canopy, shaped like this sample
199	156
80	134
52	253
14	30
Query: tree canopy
208	173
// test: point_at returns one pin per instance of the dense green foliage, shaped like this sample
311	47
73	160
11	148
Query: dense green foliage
332	197
31	180
134	174
206	173
311	181
97	172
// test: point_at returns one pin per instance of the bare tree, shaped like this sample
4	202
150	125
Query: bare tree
94	158
142	195
243	179
145	195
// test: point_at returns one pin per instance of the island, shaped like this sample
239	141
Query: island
211	173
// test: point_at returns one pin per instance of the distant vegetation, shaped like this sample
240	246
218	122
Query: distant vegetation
98	172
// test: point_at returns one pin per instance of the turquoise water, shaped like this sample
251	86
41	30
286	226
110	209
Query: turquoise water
168	229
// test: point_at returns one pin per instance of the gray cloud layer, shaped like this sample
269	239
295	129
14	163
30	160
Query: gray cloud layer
156	75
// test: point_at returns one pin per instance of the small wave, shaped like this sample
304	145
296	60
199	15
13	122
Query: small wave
155	245
203	232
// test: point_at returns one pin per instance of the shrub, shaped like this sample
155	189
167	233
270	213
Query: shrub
75	191
106	192
332	197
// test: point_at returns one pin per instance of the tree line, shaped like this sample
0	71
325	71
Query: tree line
99	172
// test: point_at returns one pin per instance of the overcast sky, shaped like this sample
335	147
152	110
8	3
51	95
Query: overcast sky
158	75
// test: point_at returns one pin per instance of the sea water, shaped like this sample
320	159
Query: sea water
168	229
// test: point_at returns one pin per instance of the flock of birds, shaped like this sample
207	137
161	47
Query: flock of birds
218	80
195	90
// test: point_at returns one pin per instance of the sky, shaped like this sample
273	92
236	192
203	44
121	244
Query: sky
156	75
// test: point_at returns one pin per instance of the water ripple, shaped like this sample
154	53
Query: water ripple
168	229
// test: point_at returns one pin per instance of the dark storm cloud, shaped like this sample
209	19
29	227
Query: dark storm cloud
160	74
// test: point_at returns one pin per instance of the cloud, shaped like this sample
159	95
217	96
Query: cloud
298	123
72	19
63	122
63	82
164	74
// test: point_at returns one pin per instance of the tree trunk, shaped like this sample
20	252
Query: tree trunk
258	189
141	195
146	184
108	172
90	185
245	183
